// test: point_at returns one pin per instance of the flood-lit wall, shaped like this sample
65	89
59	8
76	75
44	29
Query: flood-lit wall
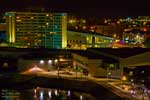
95	67
25	64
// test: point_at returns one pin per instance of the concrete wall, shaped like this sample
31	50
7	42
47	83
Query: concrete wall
24	64
95	69
94	66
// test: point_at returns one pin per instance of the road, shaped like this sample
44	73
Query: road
102	81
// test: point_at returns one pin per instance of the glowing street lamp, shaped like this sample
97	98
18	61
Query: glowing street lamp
108	75
41	95
49	61
57	64
50	94
56	60
41	61
124	78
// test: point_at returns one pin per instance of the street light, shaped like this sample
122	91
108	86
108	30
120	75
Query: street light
57	64
41	61
50	62
108	75
124	78
56	60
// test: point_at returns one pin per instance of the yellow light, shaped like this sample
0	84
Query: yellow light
47	15
72	21
17	17
115	35
61	59
84	27
83	21
124	78
118	22
47	23
32	17
105	21
56	60
18	20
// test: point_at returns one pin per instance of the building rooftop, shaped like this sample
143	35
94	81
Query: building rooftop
92	55
90	33
121	52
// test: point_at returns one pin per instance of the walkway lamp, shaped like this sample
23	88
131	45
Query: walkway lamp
124	78
50	62
41	61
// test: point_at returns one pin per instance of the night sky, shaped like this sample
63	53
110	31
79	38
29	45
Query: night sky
83	7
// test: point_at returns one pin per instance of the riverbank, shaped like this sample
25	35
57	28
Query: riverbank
17	81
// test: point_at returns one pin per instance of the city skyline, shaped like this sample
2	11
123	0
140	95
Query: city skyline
84	8
97	47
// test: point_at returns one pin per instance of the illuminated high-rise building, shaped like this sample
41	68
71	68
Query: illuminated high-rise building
36	29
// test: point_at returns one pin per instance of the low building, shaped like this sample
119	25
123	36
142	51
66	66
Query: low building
97	65
83	40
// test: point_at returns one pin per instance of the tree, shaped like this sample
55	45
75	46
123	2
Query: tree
147	42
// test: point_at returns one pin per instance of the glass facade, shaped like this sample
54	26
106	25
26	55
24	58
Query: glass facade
31	29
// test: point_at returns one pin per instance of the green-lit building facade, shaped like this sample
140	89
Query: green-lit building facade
36	29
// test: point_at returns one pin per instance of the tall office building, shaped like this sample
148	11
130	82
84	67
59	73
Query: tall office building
36	29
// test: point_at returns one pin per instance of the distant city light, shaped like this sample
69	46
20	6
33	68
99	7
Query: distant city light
72	21
47	23
105	21
142	72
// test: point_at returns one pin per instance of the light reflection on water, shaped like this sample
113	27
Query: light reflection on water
42	94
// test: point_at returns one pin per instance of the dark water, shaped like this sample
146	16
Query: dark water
42	94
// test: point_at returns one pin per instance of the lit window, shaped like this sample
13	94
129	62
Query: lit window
32	17
47	15
47	23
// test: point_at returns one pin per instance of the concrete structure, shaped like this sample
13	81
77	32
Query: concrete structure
98	65
36	29
141	59
104	62
83	40
99	62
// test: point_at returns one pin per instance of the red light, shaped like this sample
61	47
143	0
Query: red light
144	29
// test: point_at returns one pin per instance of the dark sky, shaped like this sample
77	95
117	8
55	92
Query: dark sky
83	7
